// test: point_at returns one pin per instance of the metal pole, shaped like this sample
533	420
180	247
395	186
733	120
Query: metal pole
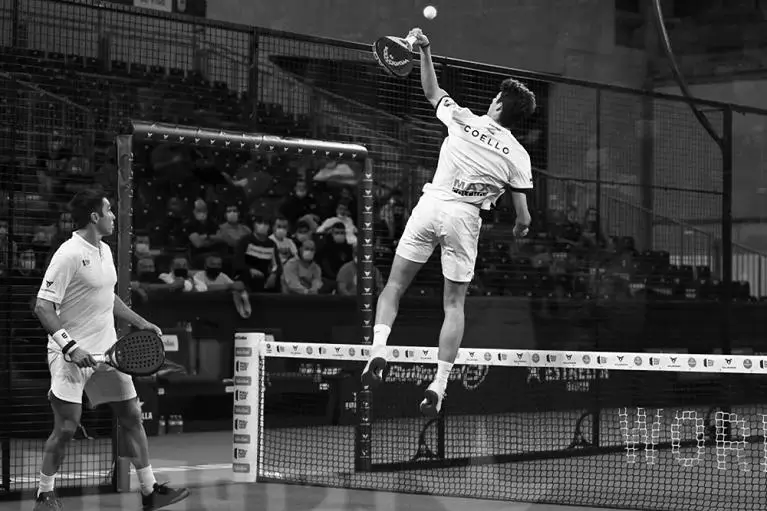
727	190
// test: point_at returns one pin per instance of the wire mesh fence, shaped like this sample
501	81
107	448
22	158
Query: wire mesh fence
628	184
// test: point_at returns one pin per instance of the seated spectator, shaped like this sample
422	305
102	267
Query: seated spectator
286	248
256	259
394	216
299	203
27	270
591	232
334	253
343	217
147	279
346	280
301	275
201	233
62	230
569	230
213	278
303	233
232	231
178	276
169	232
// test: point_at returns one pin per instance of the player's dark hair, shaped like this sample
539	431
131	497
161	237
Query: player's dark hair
518	103
83	204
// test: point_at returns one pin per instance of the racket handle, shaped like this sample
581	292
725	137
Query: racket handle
411	41
100	359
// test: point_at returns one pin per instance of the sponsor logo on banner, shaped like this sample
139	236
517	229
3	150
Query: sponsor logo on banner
586	359
707	362
536	358
294	349
243	352
620	361
424	355
245	381
365	352
503	357
395	353
241	395
241	439
488	356
409	353
242	409
691	362
638	361
654	361
601	359
240	453
240	424
280	349
351	352
551	358
763	364
472	356
747	363
309	350
337	352
268	348
241	366
673	363
569	360
323	350
519	359
241	468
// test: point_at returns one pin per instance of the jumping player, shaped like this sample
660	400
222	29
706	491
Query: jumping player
478	161
76	305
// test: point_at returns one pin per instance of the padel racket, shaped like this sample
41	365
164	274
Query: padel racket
139	353
395	54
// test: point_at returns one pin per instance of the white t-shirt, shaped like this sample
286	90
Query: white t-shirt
81	281
478	159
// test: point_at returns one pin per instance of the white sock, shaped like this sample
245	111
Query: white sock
146	479
46	483
443	373
380	336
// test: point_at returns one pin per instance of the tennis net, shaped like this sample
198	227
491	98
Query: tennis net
655	431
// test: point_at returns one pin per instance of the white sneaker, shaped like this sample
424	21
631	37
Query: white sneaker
372	375
432	401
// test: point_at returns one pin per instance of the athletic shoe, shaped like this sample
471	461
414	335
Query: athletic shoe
48	501
163	496
372	376
432	401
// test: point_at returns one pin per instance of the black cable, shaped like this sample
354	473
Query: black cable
663	34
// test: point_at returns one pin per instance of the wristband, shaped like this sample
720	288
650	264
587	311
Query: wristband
423	47
70	346
61	337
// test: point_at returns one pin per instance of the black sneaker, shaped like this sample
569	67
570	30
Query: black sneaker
162	496
48	501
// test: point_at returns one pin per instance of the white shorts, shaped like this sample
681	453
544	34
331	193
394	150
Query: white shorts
104	384
454	226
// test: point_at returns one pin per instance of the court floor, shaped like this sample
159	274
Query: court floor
201	461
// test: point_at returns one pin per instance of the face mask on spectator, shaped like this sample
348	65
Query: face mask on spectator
232	217
280	233
300	194
339	238
181	273
302	236
212	273
307	255
200	216
142	248
27	264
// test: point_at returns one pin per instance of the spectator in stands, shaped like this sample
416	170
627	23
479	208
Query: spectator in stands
394	216
256	260
301	275
591	232
299	203
333	254
51	164
303	233
7	249
63	230
169	232
286	248
201	233
344	218
27	270
346	280
178	276
212	278
568	230
232	231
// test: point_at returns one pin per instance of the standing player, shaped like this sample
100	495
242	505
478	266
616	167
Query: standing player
478	161
76	305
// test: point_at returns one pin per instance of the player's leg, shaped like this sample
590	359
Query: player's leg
459	255
414	249
65	396
110	386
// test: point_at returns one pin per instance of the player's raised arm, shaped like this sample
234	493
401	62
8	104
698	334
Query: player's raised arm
429	82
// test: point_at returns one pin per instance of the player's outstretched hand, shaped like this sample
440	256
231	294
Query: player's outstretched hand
81	358
421	41
520	230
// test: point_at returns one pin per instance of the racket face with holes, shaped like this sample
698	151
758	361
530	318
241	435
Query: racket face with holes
140	353
394	55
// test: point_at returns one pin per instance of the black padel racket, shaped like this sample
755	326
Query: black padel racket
140	353
395	54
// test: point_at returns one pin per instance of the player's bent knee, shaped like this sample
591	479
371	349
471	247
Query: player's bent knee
129	415
65	430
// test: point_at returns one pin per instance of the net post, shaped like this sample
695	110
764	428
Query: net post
248	411
124	143
366	267
363	459
727	191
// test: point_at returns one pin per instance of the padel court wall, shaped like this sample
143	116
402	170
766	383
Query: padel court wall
73	74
